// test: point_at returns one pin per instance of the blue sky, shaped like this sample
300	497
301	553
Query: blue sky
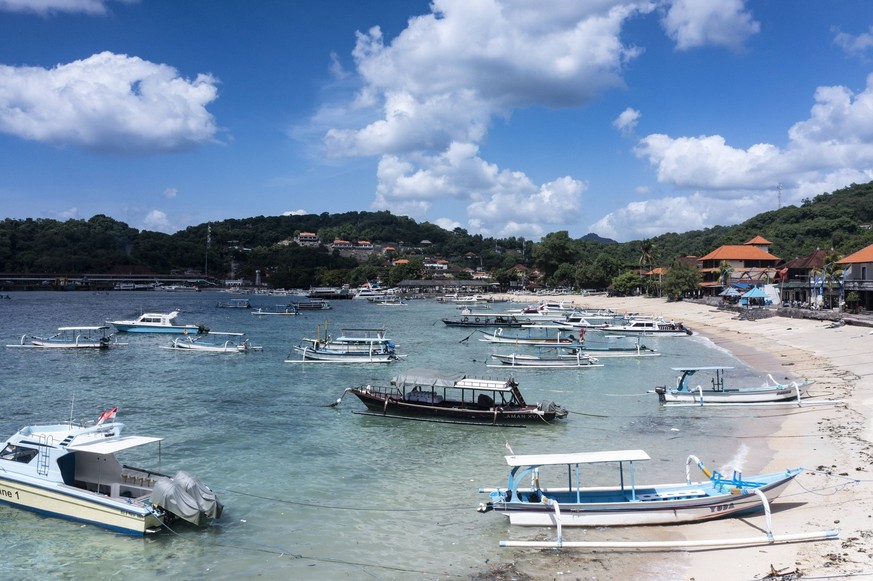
624	118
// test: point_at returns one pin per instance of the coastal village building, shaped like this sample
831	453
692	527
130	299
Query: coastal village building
858	275
751	263
307	239
796	278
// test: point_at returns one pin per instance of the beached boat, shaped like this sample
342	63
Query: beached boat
364	345
529	500
556	360
71	471
442	396
715	391
278	311
93	337
650	327
536	335
214	342
156	323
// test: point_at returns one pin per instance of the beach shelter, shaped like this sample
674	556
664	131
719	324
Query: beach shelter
755	293
729	292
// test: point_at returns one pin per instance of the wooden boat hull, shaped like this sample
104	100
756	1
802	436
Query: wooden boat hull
544	362
47	344
125	516
454	411
646	511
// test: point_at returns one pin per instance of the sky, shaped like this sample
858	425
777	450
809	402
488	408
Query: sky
627	119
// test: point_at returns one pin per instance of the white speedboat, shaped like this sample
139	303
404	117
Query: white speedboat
156	323
649	327
71	471
93	337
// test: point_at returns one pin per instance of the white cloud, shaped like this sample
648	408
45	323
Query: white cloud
108	103
52	6
695	23
827	151
295	213
627	121
854	45
170	193
157	221
500	202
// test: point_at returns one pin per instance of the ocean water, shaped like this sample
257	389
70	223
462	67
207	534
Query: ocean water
319	492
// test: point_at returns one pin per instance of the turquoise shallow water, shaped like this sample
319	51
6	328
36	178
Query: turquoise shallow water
312	491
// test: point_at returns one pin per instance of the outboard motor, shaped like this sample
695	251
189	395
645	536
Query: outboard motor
661	390
188	498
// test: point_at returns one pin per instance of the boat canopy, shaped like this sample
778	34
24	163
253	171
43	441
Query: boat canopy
110	446
577	458
91	328
429	377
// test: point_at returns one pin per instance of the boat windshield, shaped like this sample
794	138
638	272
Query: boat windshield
21	454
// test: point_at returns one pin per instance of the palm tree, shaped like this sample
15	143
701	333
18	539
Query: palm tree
647	255
830	273
725	270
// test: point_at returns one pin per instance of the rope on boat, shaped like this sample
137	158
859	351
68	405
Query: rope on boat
333	507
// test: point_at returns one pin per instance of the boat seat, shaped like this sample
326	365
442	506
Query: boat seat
672	495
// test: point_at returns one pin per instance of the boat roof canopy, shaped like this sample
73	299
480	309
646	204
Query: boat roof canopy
577	458
89	328
433	378
112	445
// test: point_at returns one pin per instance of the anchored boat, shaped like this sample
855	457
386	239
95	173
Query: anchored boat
93	337
156	323
71	471
716	392
430	394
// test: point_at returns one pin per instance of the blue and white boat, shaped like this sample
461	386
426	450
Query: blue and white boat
156	323
716	392
214	342
366	345
71	471
546	490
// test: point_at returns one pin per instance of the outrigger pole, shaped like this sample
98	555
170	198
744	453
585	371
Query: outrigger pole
768	539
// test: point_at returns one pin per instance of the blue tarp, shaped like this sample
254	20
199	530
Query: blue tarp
755	293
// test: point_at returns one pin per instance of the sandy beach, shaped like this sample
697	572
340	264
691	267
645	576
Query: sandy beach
832	442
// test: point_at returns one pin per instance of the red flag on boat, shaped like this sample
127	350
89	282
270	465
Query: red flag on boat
107	415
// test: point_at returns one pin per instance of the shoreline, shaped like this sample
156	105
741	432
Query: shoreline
832	442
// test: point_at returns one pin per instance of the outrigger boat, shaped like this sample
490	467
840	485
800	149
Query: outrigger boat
717	393
93	337
278	311
438	396
367	345
541	338
480	320
71	471
556	360
235	304
235	343
571	504
156	323
613	349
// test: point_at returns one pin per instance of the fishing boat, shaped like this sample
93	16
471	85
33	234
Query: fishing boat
716	392
289	310
529	499
93	337
556	360
235	304
473	319
312	305
536	335
650	327
617	346
156	323
71	471
362	345
443	396
214	342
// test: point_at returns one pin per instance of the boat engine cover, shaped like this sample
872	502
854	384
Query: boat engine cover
188	498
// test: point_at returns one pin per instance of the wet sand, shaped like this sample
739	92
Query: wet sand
832	442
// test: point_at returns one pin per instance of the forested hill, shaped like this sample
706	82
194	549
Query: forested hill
839	220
